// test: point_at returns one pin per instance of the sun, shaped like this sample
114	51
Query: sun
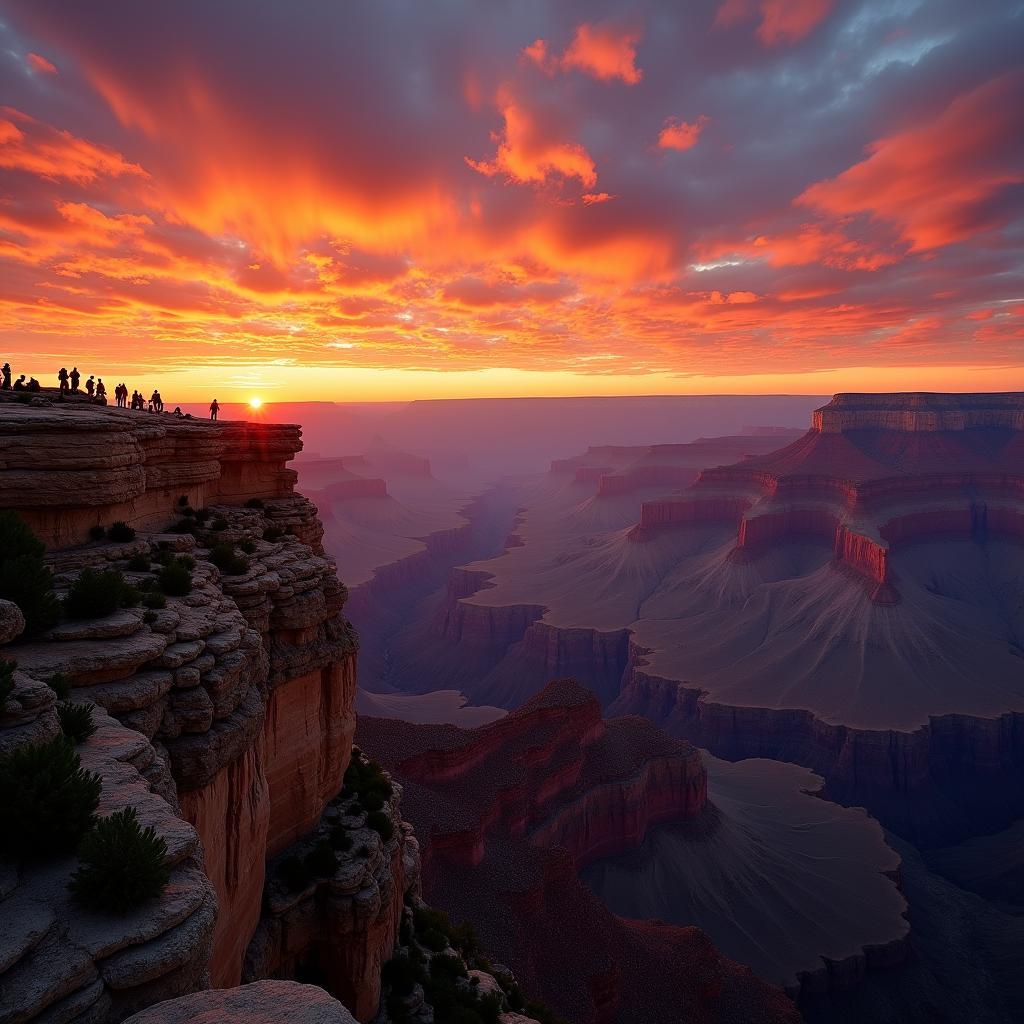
255	403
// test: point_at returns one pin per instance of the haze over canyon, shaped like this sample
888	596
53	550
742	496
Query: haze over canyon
512	513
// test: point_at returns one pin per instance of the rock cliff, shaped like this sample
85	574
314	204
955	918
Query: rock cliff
231	704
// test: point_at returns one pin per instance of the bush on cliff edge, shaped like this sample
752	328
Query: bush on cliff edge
48	801
123	865
24	577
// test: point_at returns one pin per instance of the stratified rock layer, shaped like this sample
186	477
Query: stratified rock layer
510	810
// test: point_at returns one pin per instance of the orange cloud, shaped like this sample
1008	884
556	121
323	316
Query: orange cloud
780	21
527	156
940	182
592	198
679	134
30	145
605	51
39	63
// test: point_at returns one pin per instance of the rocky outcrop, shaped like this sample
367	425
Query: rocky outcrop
237	696
342	926
67	468
263	1002
59	961
508	812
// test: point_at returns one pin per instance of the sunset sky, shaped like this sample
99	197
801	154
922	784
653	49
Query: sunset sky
378	200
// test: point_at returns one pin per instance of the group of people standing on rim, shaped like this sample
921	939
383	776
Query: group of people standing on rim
96	391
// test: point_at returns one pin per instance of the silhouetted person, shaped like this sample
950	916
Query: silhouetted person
137	402
19	384
214	409
123	397
90	387
158	402
178	412
63	378
5	382
33	385
75	378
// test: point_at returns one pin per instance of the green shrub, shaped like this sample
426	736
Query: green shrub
6	680
220	523
121	532
139	562
60	683
149	617
322	861
183	526
76	721
373	801
272	533
254	503
97	532
123	865
366	777
188	561
401	975
363	851
248	546
175	579
434	940
188	511
202	514
24	577
183	501
340	839
293	873
224	557
381	824
450	967
154	599
47	800
95	594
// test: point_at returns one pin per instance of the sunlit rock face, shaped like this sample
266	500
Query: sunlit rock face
509	811
849	601
69	467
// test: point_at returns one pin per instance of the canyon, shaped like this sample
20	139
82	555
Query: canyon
224	717
516	809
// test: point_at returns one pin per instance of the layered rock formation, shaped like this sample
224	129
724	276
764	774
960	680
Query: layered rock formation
874	472
233	706
736	613
510	811
70	467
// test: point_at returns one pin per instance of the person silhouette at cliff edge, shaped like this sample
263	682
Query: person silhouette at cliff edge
5	377
214	409
63	378
75	378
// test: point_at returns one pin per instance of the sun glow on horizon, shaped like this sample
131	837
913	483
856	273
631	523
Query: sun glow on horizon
255	403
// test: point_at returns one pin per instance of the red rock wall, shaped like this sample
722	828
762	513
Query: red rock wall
611	819
307	737
232	815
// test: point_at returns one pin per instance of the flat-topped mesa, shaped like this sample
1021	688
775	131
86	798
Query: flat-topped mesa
874	471
916	411
554	773
68	468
